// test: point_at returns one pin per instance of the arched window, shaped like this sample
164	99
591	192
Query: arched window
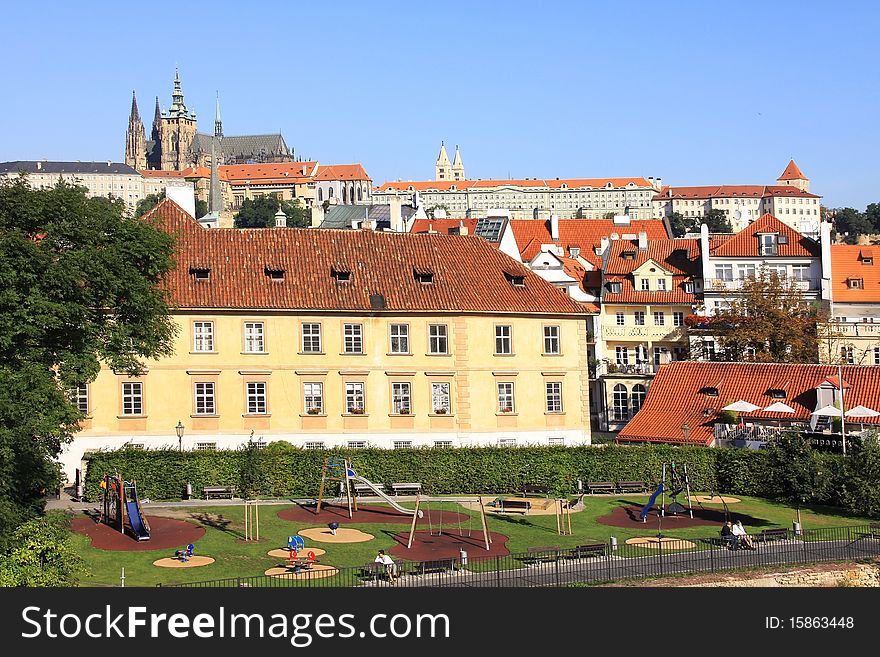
360	193
621	403
344	195
320	195
638	397
330	193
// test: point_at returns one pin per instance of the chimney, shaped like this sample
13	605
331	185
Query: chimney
643	241
603	244
825	245
658	184
39	165
704	252
554	227
462	229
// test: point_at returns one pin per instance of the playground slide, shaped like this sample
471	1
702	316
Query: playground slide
381	494
139	526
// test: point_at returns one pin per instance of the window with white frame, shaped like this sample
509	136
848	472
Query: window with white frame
203	336
132	398
800	272
400	338
440	399
677	318
403	444
313	398
256	398
639	392
314	444
206	446
640	317
79	397
204	398
438	339
621	355
619	319
401	398
659	318
767	242
661	284
847	355
503	340
724	272
354	398
505	397
353	338
442	444
620	406
645	285
357	444
551	340
253	338
311	338
553	396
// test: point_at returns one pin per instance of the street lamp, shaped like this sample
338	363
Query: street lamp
179	430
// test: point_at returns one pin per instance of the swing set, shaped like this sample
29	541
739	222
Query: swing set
484	526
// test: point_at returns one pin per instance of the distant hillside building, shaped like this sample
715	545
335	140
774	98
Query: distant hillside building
175	143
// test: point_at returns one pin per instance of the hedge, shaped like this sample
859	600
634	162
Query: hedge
281	470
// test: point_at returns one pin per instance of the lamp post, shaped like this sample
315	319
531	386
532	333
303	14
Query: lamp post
842	408
179	430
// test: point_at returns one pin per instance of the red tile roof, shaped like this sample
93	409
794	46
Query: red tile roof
730	191
469	274
442	225
681	257
850	262
792	172
280	172
341	172
190	172
745	243
674	397
570	183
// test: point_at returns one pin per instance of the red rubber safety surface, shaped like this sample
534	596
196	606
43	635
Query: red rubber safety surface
426	547
628	516
367	513
165	533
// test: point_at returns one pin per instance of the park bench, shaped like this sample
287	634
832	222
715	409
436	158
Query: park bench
873	531
513	505
218	491
362	489
587	550
730	542
374	570
547	553
772	535
600	487
535	489
433	566
631	486
412	487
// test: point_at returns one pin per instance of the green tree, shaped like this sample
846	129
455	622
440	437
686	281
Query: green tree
769	321
851	223
201	208
79	285
681	225
794	470
872	214
147	203
860	491
40	554
717	221
260	213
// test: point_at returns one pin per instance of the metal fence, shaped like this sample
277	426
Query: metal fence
593	563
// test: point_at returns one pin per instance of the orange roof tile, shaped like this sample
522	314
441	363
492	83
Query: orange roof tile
730	191
341	172
674	397
851	262
571	183
792	172
469	275
745	243
442	225
256	174
681	257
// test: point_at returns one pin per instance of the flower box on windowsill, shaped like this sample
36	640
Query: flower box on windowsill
356	411
314	411
440	411
506	409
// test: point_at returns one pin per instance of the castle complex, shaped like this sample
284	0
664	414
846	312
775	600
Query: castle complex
176	144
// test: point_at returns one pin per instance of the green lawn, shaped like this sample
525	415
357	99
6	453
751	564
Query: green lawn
234	558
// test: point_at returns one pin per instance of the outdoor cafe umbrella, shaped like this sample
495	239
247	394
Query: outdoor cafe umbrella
779	407
861	411
741	406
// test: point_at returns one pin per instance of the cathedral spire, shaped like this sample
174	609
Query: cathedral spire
178	108
157	117
218	124
215	193
135	138
442	166
135	115
457	166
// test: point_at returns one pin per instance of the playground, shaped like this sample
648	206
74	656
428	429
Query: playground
255	537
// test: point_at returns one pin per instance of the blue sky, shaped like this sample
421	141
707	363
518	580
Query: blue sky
693	92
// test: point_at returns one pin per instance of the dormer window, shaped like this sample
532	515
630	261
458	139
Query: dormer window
275	274
341	275
574	251
517	280
709	391
855	283
782	239
628	255
866	257
200	273
423	276
777	393
767	242
689	287
615	287
867	261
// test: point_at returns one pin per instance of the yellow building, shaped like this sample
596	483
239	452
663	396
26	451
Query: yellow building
649	287
350	338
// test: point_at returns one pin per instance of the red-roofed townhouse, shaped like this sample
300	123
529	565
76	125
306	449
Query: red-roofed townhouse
686	401
328	338
766	243
854	334
790	200
648	288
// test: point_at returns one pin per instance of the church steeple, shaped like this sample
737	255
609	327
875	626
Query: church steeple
218	124
178	108
442	167
215	194
457	166
135	138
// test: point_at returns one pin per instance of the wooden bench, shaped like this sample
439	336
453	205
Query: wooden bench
412	487
632	486
514	505
873	531
600	487
375	570
771	535
432	566
361	489
218	491
587	550
547	553
535	489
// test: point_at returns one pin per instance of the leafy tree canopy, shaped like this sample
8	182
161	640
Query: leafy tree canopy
795	471
260	213
851	223
79	285
714	218
149	202
40	554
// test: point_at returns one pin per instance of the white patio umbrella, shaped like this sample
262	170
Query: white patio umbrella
779	407
861	411
741	406
827	410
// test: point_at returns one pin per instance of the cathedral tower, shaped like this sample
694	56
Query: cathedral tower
443	168
176	131
457	166
135	139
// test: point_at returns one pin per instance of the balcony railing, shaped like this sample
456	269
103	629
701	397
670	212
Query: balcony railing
635	368
645	332
856	329
739	284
